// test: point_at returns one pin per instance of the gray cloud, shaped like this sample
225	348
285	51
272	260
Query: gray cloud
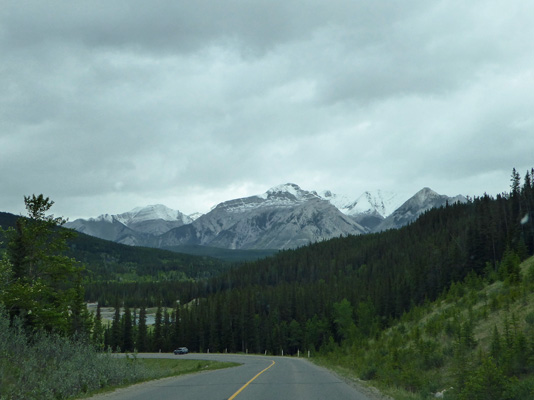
107	106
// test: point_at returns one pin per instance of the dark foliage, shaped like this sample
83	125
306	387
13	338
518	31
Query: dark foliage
107	261
286	302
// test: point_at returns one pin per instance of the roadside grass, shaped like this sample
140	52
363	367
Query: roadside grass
164	367
350	375
376	390
160	368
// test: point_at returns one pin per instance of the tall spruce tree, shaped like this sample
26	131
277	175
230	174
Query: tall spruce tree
157	340
116	331
44	290
98	329
81	321
142	332
127	330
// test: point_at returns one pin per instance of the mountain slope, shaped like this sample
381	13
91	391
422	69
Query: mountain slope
284	217
421	202
368	210
376	203
475	332
134	227
154	219
109	261
107	227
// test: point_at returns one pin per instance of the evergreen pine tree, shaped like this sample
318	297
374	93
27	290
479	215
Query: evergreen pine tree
495	346
142	334
80	320
127	329
98	329
42	275
116	331
177	335
516	183
166	332
157	340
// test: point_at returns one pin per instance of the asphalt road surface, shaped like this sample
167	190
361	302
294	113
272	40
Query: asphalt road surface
258	378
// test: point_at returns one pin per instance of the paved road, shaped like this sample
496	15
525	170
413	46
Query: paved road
269	378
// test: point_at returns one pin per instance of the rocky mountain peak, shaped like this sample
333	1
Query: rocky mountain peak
291	192
425	194
153	212
286	195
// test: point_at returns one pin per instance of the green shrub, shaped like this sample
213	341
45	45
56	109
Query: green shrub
520	389
529	318
368	373
487	382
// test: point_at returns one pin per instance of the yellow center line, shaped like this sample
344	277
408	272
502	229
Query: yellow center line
249	382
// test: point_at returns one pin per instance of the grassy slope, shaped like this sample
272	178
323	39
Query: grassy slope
418	355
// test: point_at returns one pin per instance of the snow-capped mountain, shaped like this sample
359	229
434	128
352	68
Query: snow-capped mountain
109	228
134	227
410	210
153	212
154	220
283	217
369	209
379	202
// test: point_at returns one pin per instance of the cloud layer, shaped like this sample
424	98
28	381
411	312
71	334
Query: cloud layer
106	106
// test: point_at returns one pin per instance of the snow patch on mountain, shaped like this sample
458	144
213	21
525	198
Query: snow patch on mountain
103	218
150	220
142	214
153	212
195	216
379	203
285	216
286	195
289	191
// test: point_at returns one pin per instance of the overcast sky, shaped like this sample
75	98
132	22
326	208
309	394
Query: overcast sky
110	105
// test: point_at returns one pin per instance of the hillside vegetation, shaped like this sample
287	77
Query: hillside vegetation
107	261
476	341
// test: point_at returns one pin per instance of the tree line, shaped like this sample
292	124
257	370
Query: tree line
313	297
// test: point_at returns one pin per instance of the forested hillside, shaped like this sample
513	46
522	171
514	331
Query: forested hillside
107	261
287	301
475	342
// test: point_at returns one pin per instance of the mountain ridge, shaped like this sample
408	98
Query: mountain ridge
285	216
422	201
293	222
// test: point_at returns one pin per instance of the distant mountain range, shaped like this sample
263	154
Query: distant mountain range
137	227
285	216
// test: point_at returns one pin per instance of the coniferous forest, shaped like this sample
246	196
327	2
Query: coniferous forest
297	299
334	297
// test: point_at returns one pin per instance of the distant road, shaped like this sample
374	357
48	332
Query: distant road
259	378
